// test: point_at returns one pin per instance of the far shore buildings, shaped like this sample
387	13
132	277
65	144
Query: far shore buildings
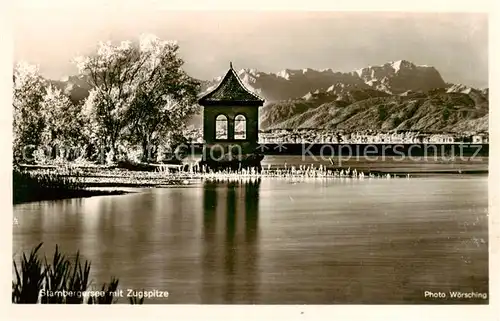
323	136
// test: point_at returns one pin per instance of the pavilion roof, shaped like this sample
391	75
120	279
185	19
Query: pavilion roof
230	90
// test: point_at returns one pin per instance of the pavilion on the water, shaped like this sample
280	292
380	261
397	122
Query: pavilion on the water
231	124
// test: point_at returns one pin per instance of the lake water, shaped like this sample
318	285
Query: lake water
278	241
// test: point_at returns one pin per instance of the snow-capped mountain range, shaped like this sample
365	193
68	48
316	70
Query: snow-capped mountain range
396	77
416	98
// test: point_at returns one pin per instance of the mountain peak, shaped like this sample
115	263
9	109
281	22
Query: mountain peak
285	73
459	88
250	71
397	65
399	76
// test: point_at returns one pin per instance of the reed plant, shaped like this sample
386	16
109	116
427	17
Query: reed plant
59	281
29	278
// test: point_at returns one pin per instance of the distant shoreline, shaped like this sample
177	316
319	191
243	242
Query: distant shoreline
363	150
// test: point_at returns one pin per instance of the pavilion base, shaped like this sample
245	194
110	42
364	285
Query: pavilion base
246	162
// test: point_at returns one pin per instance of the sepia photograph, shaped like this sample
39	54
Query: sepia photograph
217	157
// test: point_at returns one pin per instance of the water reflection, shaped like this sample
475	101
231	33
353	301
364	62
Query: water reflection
277	241
230	227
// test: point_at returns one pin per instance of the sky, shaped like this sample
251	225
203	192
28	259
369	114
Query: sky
455	43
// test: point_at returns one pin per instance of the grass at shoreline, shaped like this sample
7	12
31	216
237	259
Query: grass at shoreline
33	186
39	183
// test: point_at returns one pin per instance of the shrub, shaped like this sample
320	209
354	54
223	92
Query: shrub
38	186
445	114
396	121
382	112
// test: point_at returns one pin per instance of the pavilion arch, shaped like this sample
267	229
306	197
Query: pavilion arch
240	127
221	127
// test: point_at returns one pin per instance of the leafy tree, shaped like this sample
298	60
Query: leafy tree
140	92
165	98
28	122
63	121
112	74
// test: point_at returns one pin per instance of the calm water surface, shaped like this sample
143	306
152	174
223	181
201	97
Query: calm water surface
278	241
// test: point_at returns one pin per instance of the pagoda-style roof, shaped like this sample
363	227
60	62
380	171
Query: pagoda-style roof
231	91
